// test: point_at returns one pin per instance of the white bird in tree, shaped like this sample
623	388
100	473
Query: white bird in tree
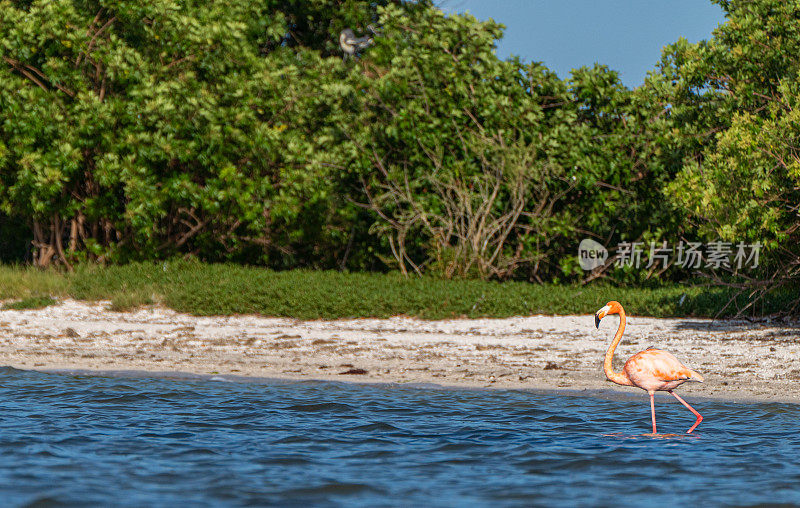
352	45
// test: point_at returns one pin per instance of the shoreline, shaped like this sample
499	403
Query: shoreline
741	361
610	392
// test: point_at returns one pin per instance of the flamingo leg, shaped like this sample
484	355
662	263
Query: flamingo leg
653	412
690	408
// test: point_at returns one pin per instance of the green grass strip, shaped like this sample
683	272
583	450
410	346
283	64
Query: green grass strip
31	302
219	289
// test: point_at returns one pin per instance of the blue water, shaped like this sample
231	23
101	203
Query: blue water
131	441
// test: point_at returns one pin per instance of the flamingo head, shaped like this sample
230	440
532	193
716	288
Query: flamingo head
611	307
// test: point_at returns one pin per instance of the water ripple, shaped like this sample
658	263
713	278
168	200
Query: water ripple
77	440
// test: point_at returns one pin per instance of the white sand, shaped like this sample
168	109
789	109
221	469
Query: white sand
739	360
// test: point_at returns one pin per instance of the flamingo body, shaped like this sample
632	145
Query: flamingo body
651	370
657	370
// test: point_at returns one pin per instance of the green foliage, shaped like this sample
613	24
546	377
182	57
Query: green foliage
584	156
737	96
235	132
457	148
24	282
138	130
32	302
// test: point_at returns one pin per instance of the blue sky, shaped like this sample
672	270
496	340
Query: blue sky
626	35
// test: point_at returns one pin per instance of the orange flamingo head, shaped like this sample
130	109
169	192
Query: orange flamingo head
612	307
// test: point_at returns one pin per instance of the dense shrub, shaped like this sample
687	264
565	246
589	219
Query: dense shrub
737	97
148	129
235	131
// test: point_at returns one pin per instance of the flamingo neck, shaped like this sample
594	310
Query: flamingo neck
617	377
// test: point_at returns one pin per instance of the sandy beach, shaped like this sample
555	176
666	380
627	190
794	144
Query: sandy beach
740	360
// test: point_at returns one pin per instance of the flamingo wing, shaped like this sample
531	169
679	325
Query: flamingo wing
659	364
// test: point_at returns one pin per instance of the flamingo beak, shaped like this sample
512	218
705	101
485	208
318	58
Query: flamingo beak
600	315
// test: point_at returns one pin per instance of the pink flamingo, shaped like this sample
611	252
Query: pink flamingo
651	370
